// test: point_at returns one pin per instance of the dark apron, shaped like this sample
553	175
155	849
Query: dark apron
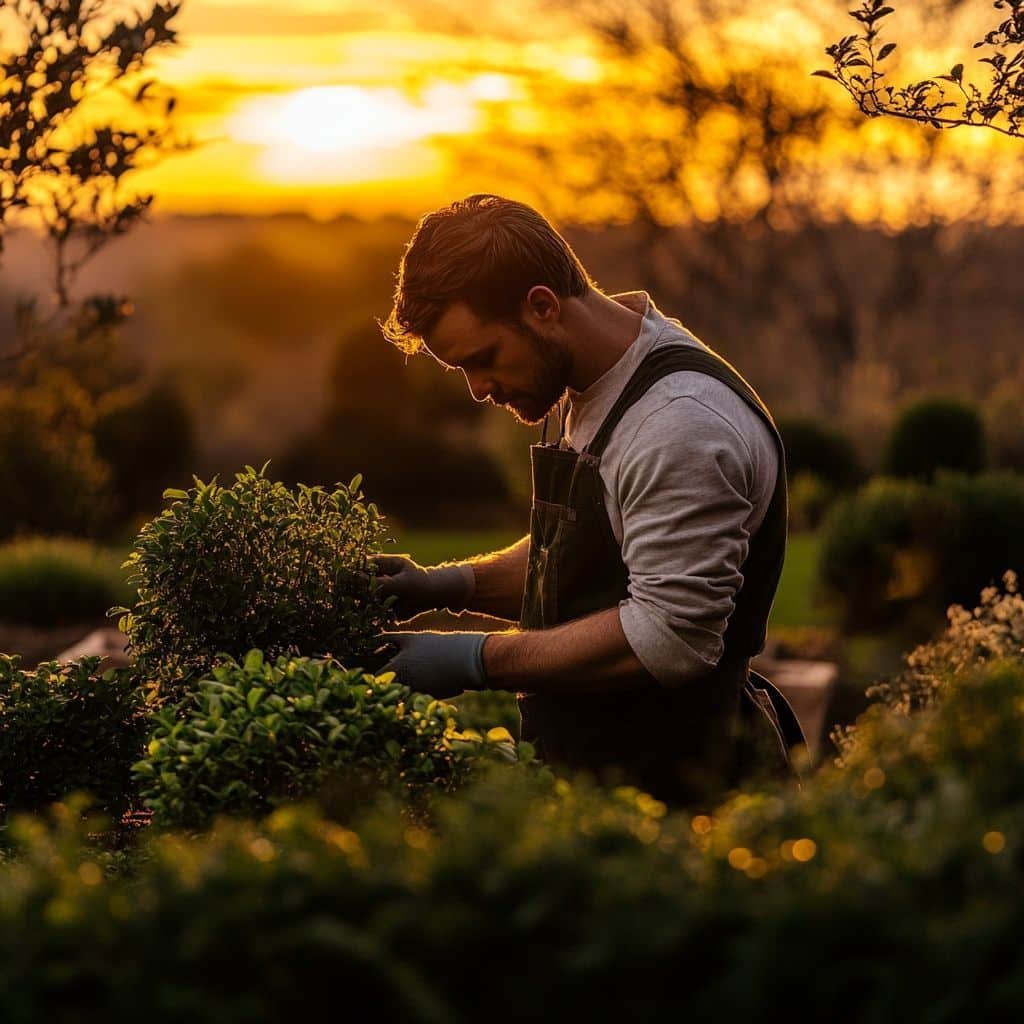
685	745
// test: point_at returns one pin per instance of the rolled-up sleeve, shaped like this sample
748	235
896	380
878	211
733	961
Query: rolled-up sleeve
683	489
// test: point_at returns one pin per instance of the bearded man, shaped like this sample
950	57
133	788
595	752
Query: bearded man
658	523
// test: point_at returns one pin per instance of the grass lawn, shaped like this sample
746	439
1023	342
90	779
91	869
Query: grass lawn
797	602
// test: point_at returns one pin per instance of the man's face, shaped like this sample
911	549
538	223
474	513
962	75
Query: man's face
513	366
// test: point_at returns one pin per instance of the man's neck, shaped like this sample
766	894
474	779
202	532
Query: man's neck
599	331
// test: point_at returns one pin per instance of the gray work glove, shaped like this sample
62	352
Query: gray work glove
441	664
424	588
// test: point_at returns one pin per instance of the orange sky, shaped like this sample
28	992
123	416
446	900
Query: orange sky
327	106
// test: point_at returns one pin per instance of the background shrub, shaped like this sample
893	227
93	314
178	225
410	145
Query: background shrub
51	478
67	728
421	479
902	550
935	434
255	565
53	581
810	499
261	733
818	450
145	437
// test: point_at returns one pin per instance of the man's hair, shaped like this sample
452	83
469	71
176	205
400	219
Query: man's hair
486	251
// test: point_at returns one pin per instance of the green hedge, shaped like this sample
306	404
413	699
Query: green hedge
56	581
816	449
886	888
936	434
255	565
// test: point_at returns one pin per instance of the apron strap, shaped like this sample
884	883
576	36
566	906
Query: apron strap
746	632
660	362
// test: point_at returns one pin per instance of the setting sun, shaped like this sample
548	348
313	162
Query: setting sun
349	132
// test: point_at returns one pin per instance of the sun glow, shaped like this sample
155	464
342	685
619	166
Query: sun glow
347	131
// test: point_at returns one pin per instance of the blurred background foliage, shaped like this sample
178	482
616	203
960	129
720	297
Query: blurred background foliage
862	272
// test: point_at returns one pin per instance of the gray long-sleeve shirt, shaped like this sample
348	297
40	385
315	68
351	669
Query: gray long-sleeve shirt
688	474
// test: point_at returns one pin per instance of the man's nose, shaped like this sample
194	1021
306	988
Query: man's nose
480	388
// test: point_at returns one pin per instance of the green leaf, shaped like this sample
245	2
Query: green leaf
176	492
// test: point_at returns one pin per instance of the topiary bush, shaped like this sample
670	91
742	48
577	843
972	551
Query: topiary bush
67	728
57	581
255	565
260	733
902	551
935	434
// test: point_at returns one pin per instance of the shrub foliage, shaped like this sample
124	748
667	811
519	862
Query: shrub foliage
67	728
46	582
255	565
901	549
260	733
936	434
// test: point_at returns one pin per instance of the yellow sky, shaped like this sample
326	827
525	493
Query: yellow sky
325	106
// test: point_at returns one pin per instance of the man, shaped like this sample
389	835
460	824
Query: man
658	524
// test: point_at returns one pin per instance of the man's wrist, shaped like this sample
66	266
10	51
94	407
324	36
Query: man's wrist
454	585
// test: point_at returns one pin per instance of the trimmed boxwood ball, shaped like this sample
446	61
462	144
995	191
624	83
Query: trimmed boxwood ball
255	565
260	733
936	434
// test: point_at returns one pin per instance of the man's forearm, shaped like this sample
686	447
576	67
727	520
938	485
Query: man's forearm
584	655
500	581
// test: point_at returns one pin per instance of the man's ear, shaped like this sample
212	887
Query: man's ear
542	304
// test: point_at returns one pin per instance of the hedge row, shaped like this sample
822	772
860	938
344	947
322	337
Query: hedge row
887	887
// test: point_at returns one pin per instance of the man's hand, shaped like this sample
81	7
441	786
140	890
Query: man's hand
422	589
441	664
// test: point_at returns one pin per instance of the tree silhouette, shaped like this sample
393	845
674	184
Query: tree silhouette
61	164
694	122
858	66
77	116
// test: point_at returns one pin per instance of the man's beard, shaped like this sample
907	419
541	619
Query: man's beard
549	380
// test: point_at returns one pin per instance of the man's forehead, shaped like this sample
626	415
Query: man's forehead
455	334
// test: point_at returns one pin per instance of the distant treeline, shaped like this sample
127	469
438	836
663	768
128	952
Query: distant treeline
265	326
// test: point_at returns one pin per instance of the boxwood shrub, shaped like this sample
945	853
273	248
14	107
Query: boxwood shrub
935	434
260	733
255	565
67	728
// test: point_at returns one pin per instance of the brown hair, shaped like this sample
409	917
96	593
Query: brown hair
486	251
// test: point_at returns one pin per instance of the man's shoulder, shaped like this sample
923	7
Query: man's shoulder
688	410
